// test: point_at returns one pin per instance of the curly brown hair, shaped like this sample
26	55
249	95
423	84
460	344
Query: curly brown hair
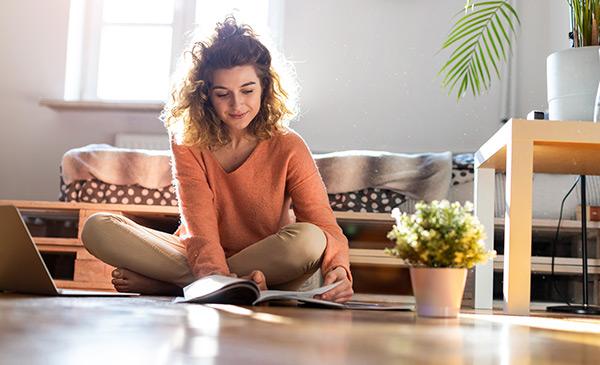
189	115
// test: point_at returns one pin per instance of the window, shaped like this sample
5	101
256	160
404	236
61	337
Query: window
126	50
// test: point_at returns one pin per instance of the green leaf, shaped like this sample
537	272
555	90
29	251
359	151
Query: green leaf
463	86
484	63
459	77
490	40
492	59
464	61
503	31
480	70
480	38
456	56
466	32
495	30
469	23
459	74
472	82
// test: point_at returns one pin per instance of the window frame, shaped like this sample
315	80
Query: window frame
85	29
90	49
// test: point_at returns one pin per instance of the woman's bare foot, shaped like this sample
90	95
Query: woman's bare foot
129	281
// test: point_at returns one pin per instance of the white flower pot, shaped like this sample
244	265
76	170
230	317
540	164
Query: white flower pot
438	291
597	106
572	76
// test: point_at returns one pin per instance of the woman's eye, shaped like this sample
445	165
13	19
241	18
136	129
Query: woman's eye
248	91
221	95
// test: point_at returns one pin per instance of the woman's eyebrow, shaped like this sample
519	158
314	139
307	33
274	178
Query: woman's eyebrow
224	88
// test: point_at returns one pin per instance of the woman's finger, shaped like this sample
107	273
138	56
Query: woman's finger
330	278
259	278
335	292
262	282
343	299
345	293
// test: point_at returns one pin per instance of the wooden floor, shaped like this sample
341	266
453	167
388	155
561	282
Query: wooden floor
151	330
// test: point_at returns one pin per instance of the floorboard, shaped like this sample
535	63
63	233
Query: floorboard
151	330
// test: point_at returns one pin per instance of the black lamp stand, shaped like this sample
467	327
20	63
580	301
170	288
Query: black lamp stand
585	308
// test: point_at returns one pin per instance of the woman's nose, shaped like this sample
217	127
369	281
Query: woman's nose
235	101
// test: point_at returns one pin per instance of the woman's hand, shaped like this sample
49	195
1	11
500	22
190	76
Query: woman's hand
341	293
258	277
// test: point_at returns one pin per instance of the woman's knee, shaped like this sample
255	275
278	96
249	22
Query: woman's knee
309	240
97	229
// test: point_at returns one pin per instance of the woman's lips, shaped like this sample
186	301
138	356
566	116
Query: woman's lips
238	116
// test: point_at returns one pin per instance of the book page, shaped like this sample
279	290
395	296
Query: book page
215	285
285	294
356	305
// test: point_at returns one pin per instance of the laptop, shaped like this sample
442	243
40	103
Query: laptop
22	268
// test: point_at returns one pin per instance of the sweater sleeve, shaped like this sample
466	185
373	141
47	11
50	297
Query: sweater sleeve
200	233
311	204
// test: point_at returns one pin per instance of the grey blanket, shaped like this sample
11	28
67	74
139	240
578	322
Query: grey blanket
419	176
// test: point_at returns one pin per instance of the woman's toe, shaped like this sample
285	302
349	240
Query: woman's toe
117	273
119	282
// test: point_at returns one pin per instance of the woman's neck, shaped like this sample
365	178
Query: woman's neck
239	139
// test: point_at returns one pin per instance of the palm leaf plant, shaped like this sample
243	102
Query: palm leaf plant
481	40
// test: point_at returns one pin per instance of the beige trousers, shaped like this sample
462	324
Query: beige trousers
287	258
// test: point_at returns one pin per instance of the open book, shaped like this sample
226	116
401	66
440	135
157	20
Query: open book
228	290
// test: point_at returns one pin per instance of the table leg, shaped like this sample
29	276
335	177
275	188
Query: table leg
484	209
517	233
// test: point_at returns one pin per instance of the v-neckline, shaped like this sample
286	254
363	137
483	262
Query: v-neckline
245	162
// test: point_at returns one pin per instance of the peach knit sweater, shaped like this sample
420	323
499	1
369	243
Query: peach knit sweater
223	213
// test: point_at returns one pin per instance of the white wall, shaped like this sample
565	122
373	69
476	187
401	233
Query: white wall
367	71
544	30
369	75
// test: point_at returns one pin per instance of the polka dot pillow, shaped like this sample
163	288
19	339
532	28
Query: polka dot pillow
96	191
372	200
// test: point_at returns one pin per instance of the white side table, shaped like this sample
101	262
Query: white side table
520	148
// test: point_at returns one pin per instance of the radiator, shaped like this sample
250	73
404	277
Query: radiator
142	141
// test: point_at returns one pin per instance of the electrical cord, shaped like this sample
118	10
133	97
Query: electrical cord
552	276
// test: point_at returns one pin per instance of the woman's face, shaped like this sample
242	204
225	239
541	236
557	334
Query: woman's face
235	95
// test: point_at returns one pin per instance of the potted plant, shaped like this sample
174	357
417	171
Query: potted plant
573	74
440	241
482	38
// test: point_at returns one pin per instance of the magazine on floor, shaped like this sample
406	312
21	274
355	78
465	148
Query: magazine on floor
229	290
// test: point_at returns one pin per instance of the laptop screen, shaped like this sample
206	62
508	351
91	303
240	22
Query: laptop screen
21	266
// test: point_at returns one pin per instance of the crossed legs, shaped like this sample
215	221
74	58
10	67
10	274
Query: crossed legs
154	262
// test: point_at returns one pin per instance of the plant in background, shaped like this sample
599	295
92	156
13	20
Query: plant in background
584	19
482	38
439	234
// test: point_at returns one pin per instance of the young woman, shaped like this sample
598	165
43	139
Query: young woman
237	169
